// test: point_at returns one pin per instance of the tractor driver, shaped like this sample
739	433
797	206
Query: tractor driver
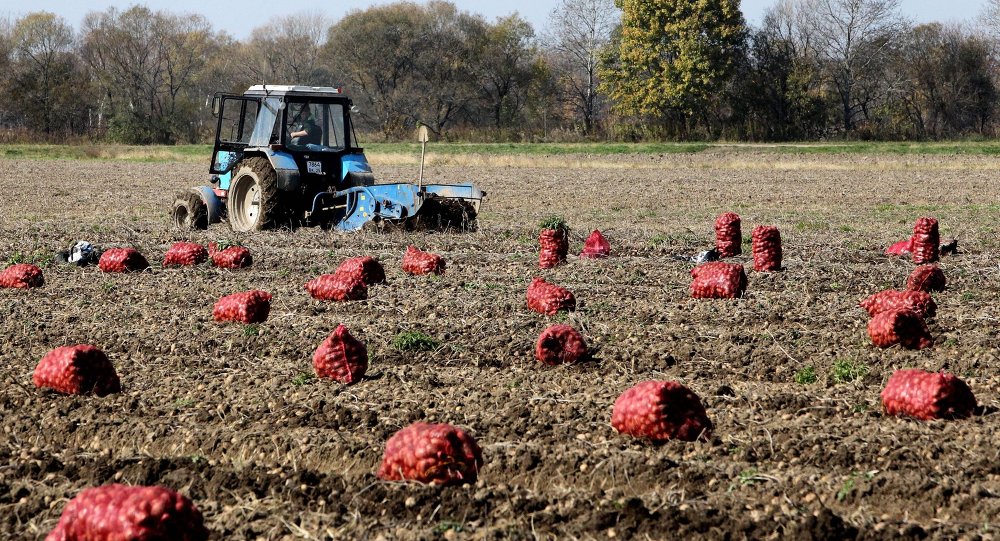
303	130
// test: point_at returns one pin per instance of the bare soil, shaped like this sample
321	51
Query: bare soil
227	414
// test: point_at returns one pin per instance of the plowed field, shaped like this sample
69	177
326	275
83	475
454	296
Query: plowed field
230	415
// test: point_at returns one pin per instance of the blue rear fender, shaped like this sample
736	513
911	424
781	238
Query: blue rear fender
285	168
355	171
354	163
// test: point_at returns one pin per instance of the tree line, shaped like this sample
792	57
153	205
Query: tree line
599	70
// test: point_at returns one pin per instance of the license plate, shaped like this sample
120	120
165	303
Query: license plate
315	167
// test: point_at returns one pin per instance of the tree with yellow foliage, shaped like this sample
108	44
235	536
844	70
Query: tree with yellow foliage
672	57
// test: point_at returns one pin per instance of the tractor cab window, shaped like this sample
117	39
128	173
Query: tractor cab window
318	127
303	128
335	126
266	130
239	116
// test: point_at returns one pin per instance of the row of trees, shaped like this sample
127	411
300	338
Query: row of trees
856	68
600	69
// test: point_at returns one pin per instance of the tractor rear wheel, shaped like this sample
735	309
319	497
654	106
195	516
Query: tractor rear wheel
189	211
252	204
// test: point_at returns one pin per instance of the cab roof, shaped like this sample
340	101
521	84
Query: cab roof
295	90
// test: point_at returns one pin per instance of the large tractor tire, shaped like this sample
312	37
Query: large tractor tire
189	211
252	204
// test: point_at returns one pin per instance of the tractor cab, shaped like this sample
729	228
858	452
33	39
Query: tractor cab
309	125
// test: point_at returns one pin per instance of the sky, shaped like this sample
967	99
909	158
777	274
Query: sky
239	22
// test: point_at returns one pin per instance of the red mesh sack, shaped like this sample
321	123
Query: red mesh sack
560	344
22	276
927	395
185	254
122	260
903	327
127	513
431	453
80	369
553	247
660	411
246	307
900	248
232	257
718	280
417	261
337	287
341	357
365	268
596	246
766	248
926	241
926	278
891	299
728	236
548	299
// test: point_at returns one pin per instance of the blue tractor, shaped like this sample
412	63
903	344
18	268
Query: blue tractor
288	155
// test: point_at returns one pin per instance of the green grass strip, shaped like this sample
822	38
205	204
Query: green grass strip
201	153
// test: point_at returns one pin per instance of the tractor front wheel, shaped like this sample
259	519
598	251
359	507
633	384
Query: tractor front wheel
252	204
189	211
